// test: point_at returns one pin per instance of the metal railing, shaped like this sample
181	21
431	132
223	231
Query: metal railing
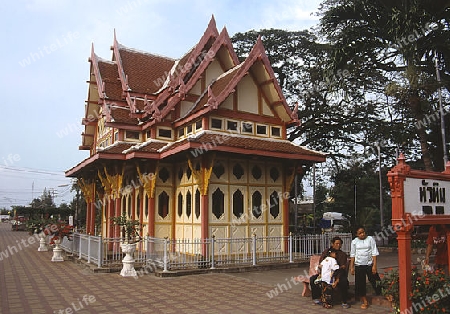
175	254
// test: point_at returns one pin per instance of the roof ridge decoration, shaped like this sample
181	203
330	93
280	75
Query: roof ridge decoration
98	77
123	47
171	94
122	75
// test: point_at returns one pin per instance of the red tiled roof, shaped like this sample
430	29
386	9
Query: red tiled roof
148	147
122	115
144	69
110	76
211	140
116	148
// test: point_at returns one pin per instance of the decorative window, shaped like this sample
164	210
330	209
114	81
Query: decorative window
163	204
218	204
216	123
146	205
165	133
116	136
218	170
256	204
232	125
238	204
124	205
180	204
180	132
138	206
276	131
198	125
274	205
238	171
247	127
188	204
189	129
197	204
261	129
164	174
274	174
180	174
188	173
256	172
129	205
149	135
132	135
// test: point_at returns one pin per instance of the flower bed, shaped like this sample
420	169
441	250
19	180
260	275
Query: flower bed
430	290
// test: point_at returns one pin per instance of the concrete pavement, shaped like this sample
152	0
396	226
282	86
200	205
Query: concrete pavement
31	283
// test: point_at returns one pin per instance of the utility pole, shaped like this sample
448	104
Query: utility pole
314	198
381	188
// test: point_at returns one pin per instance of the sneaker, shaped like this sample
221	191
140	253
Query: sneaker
317	302
345	305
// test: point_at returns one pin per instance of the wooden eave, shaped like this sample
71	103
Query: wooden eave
185	147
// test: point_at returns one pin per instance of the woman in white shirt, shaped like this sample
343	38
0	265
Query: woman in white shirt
363	262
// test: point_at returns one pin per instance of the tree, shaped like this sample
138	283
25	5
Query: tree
389	49
331	121
359	182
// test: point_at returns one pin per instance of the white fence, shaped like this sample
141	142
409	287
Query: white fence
175	254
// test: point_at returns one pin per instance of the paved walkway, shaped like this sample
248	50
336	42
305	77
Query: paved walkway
31	283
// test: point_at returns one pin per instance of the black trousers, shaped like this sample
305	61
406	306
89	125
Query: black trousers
342	287
361	272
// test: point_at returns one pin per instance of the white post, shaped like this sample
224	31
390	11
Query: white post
291	259
254	249
165	255
212	251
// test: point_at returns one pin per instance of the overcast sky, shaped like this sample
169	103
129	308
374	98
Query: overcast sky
44	68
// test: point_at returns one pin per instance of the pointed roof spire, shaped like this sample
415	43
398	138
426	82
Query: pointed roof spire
212	22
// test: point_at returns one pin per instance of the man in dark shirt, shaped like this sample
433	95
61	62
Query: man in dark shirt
342	287
437	237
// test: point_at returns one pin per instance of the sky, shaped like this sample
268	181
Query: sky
44	68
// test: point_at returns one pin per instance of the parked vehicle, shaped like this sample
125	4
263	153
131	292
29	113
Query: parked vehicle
334	222
18	223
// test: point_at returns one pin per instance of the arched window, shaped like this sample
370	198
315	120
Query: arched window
274	174
146	205
256	172
197	204
256	204
180	204
218	170
238	171
138	206
274	204
238	204
218	204
163	204
188	204
164	174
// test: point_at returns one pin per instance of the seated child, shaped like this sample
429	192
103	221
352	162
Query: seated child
329	278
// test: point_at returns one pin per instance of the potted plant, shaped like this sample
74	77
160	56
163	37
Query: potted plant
129	238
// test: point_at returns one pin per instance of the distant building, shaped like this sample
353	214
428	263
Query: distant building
192	147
